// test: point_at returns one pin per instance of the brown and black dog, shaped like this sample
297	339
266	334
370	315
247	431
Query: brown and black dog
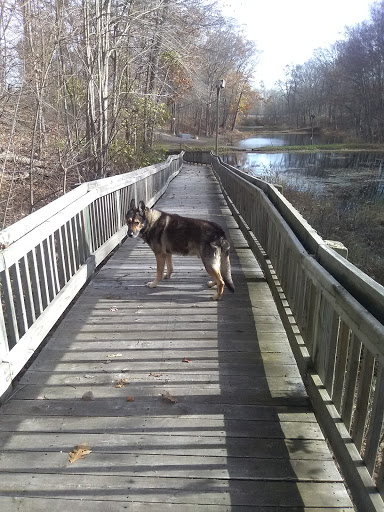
169	233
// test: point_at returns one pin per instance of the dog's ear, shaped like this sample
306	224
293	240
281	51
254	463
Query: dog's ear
141	207
132	205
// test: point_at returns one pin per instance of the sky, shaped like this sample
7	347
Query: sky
288	31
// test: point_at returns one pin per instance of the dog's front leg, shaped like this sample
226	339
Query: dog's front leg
169	261
160	264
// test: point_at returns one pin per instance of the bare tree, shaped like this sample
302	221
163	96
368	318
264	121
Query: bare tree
342	86
97	79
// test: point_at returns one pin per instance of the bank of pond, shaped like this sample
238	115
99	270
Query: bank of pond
324	172
340	193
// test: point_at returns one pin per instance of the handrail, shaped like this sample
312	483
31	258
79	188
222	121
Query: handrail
49	255
334	319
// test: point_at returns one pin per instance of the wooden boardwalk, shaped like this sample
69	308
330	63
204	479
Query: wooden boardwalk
241	435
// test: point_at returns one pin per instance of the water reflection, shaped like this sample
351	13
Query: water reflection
286	139
318	170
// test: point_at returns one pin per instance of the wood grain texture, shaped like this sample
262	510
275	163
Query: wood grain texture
242	434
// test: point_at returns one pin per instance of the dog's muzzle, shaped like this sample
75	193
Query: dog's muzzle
131	234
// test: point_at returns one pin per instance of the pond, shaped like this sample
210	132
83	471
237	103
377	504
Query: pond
361	172
346	192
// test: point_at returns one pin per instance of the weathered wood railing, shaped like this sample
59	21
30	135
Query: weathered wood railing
334	316
48	256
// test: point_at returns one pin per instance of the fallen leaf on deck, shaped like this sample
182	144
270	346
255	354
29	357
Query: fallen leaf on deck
79	452
130	398
114	308
185	360
121	383
88	396
155	374
169	398
114	355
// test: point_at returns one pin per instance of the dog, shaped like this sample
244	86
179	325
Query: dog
169	233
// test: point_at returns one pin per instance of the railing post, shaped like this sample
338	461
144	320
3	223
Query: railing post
88	231
5	370
4	349
118	208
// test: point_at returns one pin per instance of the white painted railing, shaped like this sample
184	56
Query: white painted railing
48	256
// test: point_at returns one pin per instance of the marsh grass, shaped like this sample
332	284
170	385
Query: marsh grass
358	225
351	146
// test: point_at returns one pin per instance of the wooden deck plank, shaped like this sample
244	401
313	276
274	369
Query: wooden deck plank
154	407
281	380
115	462
104	347
149	395
178	490
59	504
104	388
301	428
174	360
242	434
166	446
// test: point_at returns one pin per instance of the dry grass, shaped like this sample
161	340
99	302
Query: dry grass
346	217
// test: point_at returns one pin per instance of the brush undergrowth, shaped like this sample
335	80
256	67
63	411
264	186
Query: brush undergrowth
358	225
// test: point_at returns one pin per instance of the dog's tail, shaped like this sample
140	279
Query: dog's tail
225	264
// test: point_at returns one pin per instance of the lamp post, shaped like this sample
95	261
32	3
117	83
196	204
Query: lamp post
220	84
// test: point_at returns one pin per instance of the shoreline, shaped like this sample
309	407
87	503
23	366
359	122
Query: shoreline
172	142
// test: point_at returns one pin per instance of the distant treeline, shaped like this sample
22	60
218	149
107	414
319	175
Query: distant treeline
341	88
88	83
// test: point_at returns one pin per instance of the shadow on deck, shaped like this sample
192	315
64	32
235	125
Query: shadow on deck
235	430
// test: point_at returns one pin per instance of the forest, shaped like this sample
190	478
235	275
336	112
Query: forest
85	85
340	88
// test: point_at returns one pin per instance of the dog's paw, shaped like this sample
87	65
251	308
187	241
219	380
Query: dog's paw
216	297
151	284
166	276
211	284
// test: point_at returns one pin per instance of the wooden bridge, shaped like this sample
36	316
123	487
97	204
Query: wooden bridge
166	400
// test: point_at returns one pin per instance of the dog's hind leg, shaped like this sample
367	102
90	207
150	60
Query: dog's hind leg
169	262
217	281
160	264
211	260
